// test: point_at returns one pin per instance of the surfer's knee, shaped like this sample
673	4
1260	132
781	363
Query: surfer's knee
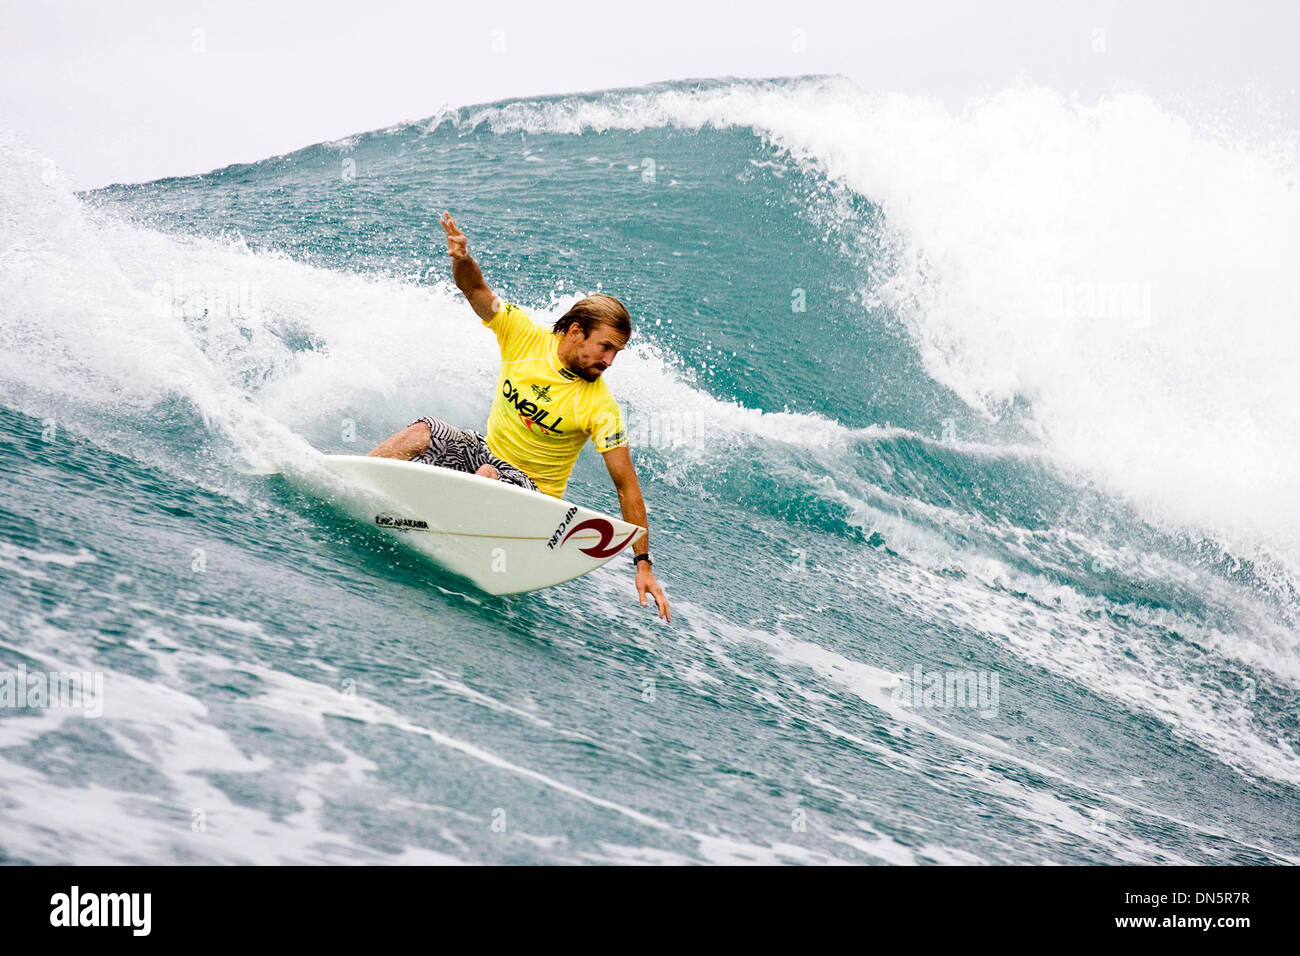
488	471
416	439
409	443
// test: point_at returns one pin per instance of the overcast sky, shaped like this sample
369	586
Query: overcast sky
127	92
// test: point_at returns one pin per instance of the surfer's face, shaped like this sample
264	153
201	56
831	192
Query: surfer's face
589	356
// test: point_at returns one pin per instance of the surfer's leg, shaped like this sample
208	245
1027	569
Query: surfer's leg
407	444
513	475
445	446
429	441
490	466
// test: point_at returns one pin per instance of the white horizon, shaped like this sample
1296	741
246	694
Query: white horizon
181	88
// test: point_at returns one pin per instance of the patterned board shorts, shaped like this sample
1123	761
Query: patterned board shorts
465	450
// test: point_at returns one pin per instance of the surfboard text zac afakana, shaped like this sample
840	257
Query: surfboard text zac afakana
391	521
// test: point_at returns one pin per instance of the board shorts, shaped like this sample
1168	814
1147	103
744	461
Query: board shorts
464	449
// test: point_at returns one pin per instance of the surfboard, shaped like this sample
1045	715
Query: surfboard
502	538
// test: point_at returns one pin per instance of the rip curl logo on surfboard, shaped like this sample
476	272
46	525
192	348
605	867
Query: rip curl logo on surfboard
555	535
602	548
602	526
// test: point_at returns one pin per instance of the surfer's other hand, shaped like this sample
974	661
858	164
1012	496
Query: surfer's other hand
646	584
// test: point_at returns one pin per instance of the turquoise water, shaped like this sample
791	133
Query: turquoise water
936	467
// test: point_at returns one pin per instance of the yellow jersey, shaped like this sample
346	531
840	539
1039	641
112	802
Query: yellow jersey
542	413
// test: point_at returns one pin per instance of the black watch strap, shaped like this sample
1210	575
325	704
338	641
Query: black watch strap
643	557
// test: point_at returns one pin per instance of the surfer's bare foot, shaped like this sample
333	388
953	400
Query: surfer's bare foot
487	471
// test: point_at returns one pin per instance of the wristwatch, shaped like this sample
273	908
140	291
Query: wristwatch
643	557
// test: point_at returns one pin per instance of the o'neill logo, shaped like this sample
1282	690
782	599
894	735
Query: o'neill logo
602	548
530	413
401	524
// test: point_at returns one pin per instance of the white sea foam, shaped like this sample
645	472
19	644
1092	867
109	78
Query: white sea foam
100	319
1130	272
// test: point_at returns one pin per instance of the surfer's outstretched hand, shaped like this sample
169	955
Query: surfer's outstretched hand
646	584
457	244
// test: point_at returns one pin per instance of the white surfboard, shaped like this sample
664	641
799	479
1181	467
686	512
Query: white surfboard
503	538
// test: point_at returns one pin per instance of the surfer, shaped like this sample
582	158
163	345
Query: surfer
550	401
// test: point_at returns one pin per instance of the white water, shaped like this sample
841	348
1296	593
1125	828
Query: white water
101	319
1133	275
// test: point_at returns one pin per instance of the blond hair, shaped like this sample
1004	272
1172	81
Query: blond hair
596	310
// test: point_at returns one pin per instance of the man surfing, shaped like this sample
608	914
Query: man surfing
550	400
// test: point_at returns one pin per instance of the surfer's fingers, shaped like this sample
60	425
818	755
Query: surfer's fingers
661	602
656	592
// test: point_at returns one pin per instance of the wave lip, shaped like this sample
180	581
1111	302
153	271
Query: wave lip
1125	269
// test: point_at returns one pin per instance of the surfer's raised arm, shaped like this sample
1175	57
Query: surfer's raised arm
465	271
